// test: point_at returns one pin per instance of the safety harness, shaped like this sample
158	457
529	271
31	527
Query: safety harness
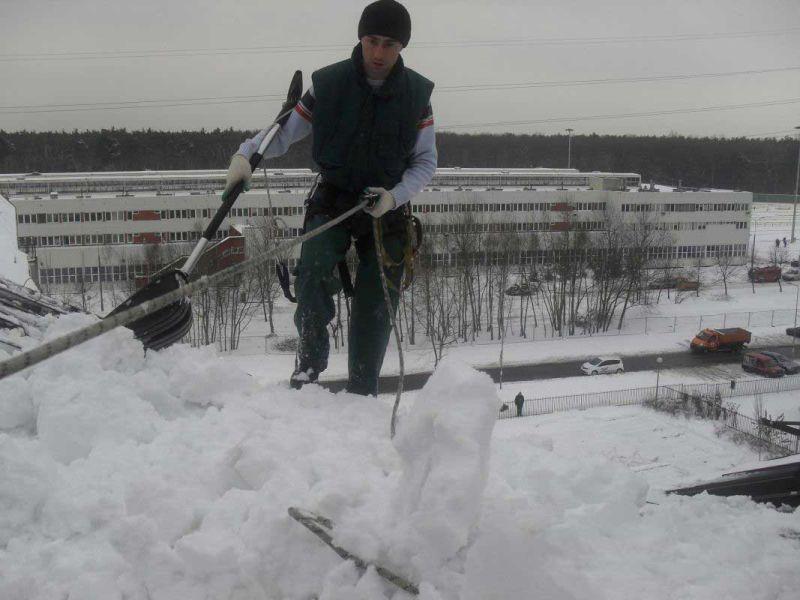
413	244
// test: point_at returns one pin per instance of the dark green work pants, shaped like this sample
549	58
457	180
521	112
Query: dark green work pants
315	285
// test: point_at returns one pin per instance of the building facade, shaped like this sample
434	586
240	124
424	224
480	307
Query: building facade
105	225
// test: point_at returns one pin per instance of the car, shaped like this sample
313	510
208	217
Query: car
756	362
687	285
521	289
679	282
791	275
793	331
784	362
602	365
664	283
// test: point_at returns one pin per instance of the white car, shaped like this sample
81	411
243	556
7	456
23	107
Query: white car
792	274
603	364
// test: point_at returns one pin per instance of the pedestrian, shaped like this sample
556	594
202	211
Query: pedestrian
777	243
784	242
519	400
372	126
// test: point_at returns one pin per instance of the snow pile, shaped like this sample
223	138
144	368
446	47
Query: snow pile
13	263
424	527
169	476
444	447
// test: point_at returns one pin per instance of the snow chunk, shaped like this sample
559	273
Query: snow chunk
444	445
27	476
76	420
16	409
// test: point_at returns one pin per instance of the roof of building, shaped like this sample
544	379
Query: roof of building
211	181
214	173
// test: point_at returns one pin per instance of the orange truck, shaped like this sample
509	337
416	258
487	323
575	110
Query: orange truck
732	339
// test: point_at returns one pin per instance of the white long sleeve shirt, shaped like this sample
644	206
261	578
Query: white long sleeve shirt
424	156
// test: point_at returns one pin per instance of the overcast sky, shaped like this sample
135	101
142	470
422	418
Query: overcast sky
234	53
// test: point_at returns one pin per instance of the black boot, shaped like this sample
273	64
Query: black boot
302	376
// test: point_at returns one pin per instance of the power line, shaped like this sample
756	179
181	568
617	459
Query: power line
121	104
98	108
654	113
607	81
301	48
171	102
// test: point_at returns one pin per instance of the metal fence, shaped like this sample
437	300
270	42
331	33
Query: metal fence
553	404
746	387
774	441
702	399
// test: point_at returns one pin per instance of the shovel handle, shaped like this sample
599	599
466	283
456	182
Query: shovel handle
292	98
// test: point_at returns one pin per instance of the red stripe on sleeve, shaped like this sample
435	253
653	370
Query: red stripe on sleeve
303	111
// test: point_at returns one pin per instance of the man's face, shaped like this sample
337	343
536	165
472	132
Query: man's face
380	55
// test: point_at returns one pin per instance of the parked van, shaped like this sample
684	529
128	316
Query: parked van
769	274
755	362
789	366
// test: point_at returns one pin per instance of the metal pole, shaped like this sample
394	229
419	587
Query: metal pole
569	154
659	360
796	181
794	337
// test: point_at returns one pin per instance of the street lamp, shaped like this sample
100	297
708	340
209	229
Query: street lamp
569	149
796	181
659	360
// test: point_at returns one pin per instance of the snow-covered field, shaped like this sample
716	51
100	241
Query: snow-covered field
169	476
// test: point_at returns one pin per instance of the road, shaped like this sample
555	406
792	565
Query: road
557	370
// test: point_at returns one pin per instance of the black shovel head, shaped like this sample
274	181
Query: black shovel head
165	326
292	98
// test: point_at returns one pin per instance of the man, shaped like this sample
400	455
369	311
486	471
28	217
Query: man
519	401
372	127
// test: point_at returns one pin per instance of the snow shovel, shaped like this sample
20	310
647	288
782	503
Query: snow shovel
167	325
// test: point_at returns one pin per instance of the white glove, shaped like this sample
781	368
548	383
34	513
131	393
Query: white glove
384	204
239	170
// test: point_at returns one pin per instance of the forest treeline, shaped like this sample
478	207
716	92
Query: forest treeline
757	165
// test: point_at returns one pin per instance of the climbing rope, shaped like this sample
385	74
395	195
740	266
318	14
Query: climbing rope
385	283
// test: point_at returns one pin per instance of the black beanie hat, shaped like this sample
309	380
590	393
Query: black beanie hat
388	18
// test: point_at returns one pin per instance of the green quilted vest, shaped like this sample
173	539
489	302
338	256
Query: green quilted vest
364	137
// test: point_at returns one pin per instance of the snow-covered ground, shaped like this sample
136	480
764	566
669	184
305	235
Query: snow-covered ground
13	263
169	476
775	405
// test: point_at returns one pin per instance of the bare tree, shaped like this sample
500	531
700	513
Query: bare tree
726	265
242	303
261	238
609	286
778	257
642	236
438	307
564	286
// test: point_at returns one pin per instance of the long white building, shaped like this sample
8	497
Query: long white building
99	225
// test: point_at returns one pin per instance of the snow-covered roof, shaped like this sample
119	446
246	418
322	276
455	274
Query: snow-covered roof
212	173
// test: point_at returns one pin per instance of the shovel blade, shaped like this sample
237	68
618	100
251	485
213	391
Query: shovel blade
165	326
